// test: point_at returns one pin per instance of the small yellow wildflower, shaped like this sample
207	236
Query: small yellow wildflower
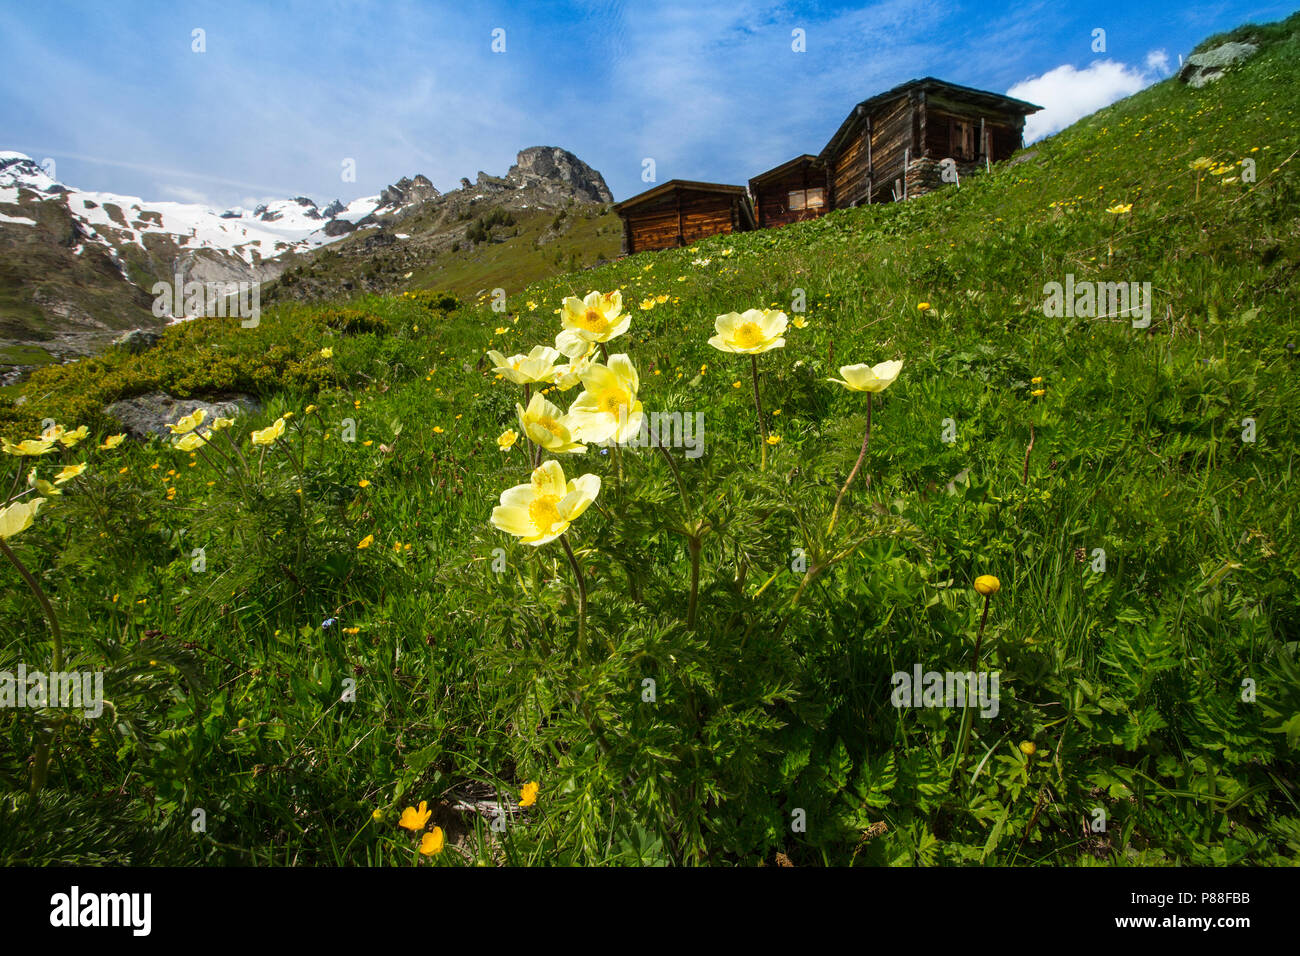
413	819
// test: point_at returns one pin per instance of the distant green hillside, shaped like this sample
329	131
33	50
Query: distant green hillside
720	689
533	244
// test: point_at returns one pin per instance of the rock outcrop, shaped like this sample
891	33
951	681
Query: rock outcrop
150	414
1203	68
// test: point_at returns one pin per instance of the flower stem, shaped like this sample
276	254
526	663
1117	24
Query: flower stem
866	437
582	595
41	758
967	717
695	546
758	406
1024	478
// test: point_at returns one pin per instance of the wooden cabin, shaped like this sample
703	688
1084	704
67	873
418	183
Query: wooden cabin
679	211
892	145
792	192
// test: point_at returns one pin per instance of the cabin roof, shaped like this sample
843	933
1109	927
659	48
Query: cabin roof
994	102
777	171
674	184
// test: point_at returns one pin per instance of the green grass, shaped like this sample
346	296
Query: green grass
1133	683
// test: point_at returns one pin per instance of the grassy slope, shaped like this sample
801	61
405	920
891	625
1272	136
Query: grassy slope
1129	682
539	245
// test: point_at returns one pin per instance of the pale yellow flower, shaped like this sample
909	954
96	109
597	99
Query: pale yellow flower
112	441
17	517
596	318
750	333
190	422
867	378
69	439
608	408
192	441
31	447
326	353
547	426
506	440
1120	209
41	485
567	376
268	435
537	366
68	473
543	509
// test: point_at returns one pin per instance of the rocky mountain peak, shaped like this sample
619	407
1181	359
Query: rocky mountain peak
408	190
551	167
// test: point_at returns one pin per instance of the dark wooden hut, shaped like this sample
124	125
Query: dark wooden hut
792	192
892	145
679	211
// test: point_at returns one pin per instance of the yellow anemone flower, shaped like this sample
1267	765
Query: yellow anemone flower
549	427
543	509
867	378
537	366
431	843
53	433
268	435
190	422
68	473
31	446
1120	209
112	441
41	485
608	408
596	318
567	376
506	440
413	819
221	423
1203	162
529	795
18	516
192	441
69	439
799	322
750	333
327	353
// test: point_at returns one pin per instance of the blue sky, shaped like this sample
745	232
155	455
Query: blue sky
287	91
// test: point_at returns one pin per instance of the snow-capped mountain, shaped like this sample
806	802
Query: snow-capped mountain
78	266
110	220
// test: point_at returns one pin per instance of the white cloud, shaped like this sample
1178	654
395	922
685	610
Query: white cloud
1068	94
1158	62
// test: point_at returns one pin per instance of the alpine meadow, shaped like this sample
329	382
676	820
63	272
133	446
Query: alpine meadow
958	530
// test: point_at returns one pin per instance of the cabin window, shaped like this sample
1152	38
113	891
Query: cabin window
801	199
